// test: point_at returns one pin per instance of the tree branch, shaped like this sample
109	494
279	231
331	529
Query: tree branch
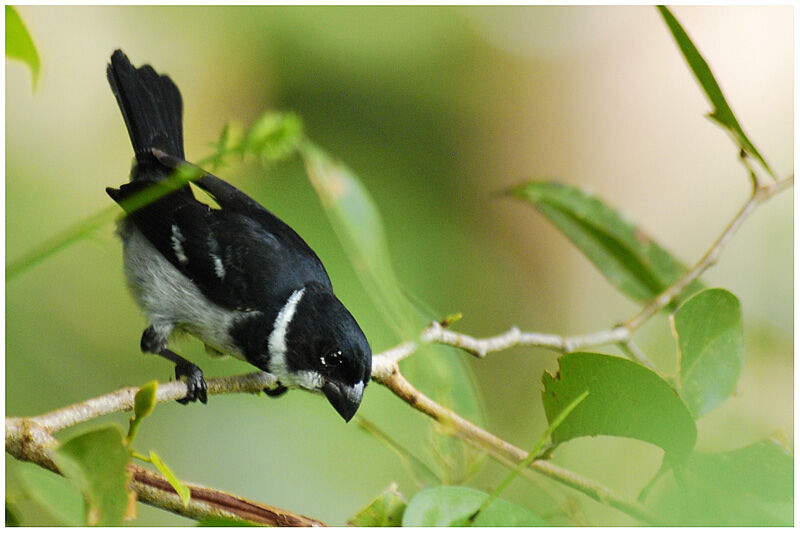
30	439
122	399
153	489
382	364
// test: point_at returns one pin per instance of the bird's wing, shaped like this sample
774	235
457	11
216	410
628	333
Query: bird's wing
233	200
235	260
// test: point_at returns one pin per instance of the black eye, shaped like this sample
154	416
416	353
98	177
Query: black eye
332	359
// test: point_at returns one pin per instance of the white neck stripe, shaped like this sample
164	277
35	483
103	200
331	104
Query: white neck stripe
277	339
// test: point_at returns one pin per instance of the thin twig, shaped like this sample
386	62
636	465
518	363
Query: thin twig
28	442
757	182
760	194
382	364
635	354
122	399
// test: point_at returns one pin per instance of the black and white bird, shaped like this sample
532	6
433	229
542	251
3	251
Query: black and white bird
238	278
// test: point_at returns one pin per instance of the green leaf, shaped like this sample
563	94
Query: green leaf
751	486
722	113
274	136
359	226
386	510
452	506
54	493
182	490
629	259
230	143
625	400
19	44
438	371
710	335
145	400
95	461
143	404
763	469
12	515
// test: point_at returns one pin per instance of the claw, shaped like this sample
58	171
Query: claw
277	391
195	383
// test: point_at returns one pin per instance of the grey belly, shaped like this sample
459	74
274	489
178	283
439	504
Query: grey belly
170	300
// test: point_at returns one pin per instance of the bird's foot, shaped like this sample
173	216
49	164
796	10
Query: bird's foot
195	383
277	391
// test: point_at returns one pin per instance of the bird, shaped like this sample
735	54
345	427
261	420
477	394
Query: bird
235	276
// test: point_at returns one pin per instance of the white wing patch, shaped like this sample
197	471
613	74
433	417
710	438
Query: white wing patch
177	244
219	268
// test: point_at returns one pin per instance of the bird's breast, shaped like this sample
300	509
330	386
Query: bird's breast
168	297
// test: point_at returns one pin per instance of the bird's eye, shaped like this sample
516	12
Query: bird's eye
332	360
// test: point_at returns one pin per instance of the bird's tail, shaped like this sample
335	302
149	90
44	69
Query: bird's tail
153	111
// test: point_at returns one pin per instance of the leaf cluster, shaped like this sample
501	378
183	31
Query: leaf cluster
626	399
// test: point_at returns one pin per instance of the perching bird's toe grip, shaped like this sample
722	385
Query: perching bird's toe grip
195	383
278	390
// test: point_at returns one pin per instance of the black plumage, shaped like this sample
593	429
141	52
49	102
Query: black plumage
246	264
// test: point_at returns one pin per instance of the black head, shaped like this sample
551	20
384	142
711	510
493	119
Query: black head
316	344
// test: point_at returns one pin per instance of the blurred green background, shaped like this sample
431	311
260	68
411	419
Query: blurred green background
437	110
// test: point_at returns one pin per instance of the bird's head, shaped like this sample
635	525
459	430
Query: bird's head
317	345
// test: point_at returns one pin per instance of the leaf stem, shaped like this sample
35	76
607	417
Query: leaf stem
532	456
76	231
760	194
137	455
415	466
59	241
635	354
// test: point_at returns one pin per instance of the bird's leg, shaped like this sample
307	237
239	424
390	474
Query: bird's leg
155	340
195	382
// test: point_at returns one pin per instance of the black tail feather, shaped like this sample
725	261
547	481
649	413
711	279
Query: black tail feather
152	108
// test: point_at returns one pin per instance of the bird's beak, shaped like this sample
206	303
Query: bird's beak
344	398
